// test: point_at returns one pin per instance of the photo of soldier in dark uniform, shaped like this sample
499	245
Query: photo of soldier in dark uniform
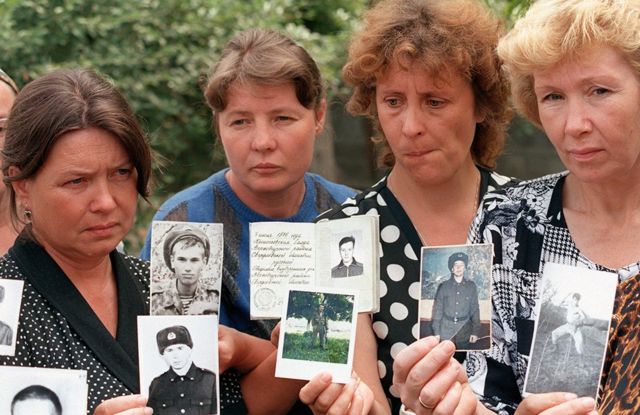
6	334
456	311
348	266
186	252
320	324
184	388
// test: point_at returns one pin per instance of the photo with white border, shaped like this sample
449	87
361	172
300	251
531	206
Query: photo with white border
199	334
10	303
29	388
171	272
571	330
317	333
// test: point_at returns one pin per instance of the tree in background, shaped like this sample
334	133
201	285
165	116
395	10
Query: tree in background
158	51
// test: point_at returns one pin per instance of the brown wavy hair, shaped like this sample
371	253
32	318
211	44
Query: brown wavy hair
264	57
63	101
436	35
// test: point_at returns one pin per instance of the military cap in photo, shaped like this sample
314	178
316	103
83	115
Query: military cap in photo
182	233
173	335
458	256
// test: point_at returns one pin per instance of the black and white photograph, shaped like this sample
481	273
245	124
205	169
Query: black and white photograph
572	326
317	334
179	363
455	294
10	302
38	391
186	268
348	248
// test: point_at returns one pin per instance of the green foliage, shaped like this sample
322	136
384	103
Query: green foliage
157	52
302	347
303	304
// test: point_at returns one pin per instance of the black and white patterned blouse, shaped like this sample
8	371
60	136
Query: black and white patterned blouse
396	325
528	229
58	329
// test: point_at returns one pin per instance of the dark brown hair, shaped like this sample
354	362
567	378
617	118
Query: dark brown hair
264	57
63	101
433	35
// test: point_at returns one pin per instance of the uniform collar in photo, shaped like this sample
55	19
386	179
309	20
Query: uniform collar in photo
119	354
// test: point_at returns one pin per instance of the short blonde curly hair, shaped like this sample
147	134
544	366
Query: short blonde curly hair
553	31
433	34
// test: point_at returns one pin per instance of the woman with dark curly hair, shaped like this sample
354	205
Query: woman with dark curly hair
427	74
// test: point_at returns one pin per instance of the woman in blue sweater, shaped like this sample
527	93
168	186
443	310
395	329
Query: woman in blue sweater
268	104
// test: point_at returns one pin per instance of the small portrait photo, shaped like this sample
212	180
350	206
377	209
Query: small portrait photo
38	391
10	302
186	268
317	334
179	363
455	294
346	249
571	330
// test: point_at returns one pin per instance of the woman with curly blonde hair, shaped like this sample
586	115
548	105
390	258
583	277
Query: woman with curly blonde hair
427	74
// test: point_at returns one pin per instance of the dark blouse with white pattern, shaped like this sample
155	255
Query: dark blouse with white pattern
396	324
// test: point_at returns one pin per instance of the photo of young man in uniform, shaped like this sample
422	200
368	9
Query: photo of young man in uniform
186	252
348	266
456	311
36	400
6	334
320	324
184	388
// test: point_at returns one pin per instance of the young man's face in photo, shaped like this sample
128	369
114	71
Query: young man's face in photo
34	406
187	262
178	356
346	252
458	269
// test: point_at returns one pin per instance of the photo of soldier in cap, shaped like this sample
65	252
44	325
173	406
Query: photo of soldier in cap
10	301
185	284
454	295
176	364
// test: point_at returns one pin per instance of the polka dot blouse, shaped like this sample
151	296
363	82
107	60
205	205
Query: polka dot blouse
58	329
396	324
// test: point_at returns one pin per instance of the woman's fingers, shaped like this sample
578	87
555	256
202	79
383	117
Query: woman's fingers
407	358
124	405
555	403
431	376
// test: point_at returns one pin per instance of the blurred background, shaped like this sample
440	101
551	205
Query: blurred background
158	51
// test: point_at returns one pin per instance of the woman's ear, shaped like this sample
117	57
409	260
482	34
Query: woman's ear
20	187
321	115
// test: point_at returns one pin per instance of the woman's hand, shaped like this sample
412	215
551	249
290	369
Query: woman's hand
324	397
556	403
124	405
240	350
430	381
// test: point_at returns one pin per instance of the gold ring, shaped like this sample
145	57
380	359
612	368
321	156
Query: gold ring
424	405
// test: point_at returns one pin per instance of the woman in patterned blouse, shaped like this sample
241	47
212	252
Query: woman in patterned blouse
575	72
427	74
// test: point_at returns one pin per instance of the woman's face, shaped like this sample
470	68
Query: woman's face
429	123
83	198
6	102
590	110
268	138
